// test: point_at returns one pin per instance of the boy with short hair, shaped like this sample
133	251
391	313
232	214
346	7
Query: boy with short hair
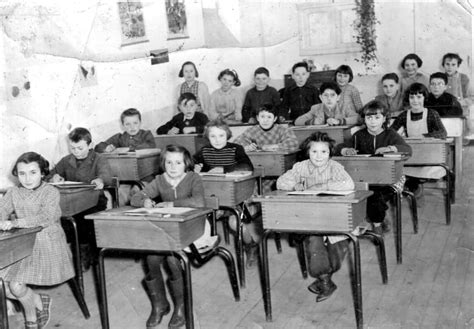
441	101
188	121
261	94
133	137
392	96
87	166
329	111
268	135
299	97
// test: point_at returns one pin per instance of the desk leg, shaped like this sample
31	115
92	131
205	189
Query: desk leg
188	291
104	312
267	298
358	282
3	306
398	220
239	248
77	253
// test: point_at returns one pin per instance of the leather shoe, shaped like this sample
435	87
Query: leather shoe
327	287
314	287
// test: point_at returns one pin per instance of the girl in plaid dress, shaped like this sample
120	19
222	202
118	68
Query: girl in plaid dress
35	203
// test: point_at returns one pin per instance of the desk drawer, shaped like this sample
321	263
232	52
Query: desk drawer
152	234
313	217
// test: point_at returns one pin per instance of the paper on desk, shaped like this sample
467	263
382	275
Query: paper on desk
311	192
164	211
69	184
234	174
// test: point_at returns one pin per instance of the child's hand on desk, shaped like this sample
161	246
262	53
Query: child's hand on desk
148	203
251	147
169	204
188	130
348	151
333	122
99	183
7	225
57	179
173	131
217	170
270	147
109	148
198	167
385	149
299	187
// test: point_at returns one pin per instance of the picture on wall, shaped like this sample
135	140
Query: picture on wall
132	22
176	15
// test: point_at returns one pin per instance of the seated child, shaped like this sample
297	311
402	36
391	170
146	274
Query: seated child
190	85
319	172
268	135
376	138
411	64
35	203
261	94
419	121
221	155
178	186
133	137
188	121
87	166
330	111
350	96
392	96
441	101
226	102
300	96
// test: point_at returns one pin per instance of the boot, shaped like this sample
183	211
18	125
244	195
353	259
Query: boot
159	303
315	287
327	287
252	254
178	318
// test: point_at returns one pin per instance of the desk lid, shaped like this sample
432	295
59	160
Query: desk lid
363	157
230	178
325	127
123	153
121	214
283	196
17	232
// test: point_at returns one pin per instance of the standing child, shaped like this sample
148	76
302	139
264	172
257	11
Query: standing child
178	186
319	172
87	166
190	85
188	121
376	138
419	121
441	101
411	63
221	155
35	203
261	94
300	96
226	102
350	97
330	111
133	137
392	97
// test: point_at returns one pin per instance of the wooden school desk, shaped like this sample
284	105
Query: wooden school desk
455	129
433	152
192	142
339	133
231	192
273	164
15	245
309	214
74	200
150	234
134	166
379	171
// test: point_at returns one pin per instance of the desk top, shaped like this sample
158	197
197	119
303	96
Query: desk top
224	178
262	153
369	158
282	196
428	140
137	154
325	127
179	136
17	232
118	214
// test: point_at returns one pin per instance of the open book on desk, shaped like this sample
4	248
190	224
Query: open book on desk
70	184
396	155
320	193
159	212
127	151
234	174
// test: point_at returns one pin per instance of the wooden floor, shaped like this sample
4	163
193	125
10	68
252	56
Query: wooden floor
433	288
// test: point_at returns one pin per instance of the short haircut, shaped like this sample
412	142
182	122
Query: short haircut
187	97
452	56
317	137
30	157
188	160
329	85
232	73
181	74
270	108
344	69
416	88
80	134
440	75
414	57
130	113
218	123
374	107
390	76
262	70
300	64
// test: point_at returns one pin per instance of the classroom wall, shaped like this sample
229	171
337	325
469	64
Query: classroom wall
45	43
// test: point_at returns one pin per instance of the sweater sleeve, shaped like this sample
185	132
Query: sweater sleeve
163	130
351	117
307	118
150	191
201	121
242	160
48	213
398	141
197	194
340	180
114	140
245	138
59	169
435	125
288	141
288	180
6	205
400	122
148	141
